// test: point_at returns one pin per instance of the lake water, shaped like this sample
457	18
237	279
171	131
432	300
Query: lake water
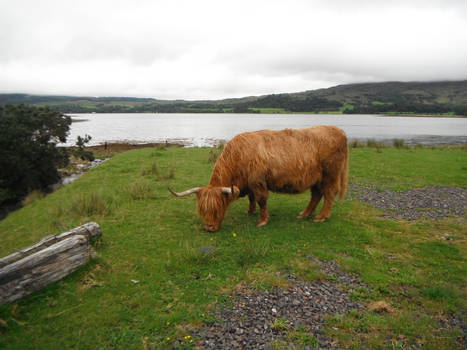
208	129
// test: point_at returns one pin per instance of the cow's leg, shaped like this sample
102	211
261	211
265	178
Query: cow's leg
262	198
252	207
329	192
264	215
316	196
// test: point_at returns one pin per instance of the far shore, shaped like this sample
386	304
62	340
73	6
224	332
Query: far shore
415	115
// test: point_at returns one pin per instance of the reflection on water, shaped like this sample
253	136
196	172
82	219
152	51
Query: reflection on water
207	129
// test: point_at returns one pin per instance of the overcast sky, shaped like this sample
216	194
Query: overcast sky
200	49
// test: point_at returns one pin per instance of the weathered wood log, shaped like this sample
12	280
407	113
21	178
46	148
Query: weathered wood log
39	268
91	230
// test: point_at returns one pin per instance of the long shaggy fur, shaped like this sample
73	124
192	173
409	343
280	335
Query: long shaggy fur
285	161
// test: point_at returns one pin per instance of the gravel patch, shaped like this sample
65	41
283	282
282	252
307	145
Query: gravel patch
430	202
456	321
258	318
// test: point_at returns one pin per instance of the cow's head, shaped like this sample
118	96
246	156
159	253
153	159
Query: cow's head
212	203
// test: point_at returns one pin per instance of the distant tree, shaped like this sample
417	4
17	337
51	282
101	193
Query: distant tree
29	156
241	109
80	151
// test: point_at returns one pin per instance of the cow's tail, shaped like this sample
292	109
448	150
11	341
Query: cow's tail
344	175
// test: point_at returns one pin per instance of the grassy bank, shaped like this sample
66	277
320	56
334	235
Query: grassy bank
154	238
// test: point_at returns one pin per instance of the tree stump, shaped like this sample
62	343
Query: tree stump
45	262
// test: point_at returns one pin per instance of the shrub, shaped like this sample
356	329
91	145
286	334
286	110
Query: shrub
398	143
141	189
167	173
161	173
152	170
212	156
357	144
215	152
89	204
379	146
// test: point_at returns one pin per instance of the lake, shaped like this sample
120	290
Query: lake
208	129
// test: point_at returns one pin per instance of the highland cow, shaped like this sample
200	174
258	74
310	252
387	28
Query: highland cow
285	161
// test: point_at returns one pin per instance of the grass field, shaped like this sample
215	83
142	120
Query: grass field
154	238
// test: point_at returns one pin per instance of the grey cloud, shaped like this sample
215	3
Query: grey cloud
210	49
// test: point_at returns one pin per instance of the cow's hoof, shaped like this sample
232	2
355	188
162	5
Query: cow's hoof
318	219
262	223
251	212
301	216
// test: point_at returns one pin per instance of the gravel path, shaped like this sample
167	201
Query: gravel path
430	202
258	318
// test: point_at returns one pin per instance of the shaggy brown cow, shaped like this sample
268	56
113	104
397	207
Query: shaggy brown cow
287	161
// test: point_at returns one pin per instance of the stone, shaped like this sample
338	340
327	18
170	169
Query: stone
207	250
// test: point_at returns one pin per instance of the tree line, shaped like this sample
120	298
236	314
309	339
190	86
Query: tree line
285	102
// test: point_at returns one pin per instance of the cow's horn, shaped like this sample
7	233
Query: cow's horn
184	193
226	190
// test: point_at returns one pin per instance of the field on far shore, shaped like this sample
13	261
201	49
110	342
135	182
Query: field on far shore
417	269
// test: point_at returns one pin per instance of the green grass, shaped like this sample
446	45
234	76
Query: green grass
401	169
155	239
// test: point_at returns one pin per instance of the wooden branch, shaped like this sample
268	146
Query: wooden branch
45	263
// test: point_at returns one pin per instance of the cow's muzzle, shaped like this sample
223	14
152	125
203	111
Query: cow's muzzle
211	228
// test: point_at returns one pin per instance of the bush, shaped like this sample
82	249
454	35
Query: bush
398	143
29	157
357	144
141	189
148	171
90	204
212	156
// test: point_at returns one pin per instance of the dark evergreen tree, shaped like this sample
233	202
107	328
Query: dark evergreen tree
29	155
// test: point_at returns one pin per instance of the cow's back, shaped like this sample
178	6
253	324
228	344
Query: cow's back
288	160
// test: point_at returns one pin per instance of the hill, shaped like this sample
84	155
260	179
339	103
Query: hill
446	97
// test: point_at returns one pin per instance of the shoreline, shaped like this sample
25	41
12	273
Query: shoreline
428	141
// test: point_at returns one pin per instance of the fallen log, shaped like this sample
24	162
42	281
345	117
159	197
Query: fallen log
45	262
91	230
